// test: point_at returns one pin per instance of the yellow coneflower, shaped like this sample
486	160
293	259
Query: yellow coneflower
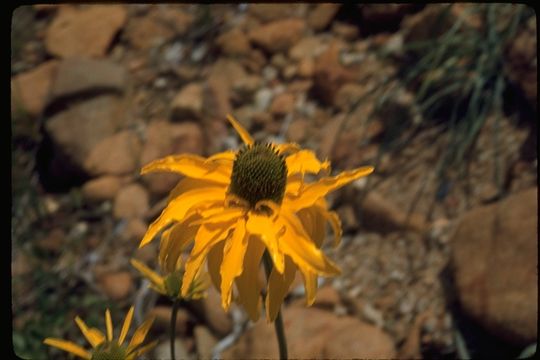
235	205
107	348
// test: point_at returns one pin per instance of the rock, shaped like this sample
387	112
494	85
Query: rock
255	61
278	35
188	103
307	47
383	17
210	308
30	90
162	323
84	32
329	134
306	68
53	241
349	95
348	32
76	76
327	298
282	104
297	130
116	285
163	139
349	223
115	155
147	32
204	341
102	188
381	215
176	19
245	87
495	265
521	64
135	230
411	348
271	12
131	202
234	43
322	15
20	264
163	350
330	74
308	331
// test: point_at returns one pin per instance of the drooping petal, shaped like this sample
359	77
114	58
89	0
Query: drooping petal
174	241
135	354
108	323
153	276
263	227
278	287
244	135
233	261
214	260
294	184
140	334
305	161
248	283
69	347
287	148
295	242
314	224
93	335
310	284
207	236
193	166
312	192
219	214
179	206
335	222
125	326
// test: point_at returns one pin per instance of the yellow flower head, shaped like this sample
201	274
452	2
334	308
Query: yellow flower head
235	205
170	284
107	348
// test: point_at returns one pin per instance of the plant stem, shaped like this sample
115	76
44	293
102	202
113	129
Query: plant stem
173	327
278	323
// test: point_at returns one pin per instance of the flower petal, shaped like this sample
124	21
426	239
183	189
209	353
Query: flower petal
233	261
314	224
135	354
108	323
263	227
69	347
305	161
174	241
296	243
278	286
125	326
193	166
187	184
310	284
206	237
244	135
179	206
248	283
287	147
93	335
151	275
214	260
312	192
140	334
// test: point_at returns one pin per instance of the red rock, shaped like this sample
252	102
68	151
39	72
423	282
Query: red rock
327	298
116	285
102	188
306	68
84	32
30	90
307	47
147	32
271	12
322	15
234	43
115	155
495	251
188	103
131	202
282	104
278	35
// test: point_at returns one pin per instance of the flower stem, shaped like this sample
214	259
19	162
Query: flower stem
278	323
173	327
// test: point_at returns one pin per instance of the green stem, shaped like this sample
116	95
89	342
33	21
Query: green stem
173	327
278	323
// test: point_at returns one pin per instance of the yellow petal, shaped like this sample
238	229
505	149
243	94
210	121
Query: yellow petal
205	239
226	157
94	336
148	273
310	284
125	326
294	184
305	161
179	206
335	222
278	287
233	261
296	243
215	258
248	283
108	322
192	166
175	240
314	224
312	192
244	135
69	347
187	184
287	147
265	229
219	214
140	334
135	354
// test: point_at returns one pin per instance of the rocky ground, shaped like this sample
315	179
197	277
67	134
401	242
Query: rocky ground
433	267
